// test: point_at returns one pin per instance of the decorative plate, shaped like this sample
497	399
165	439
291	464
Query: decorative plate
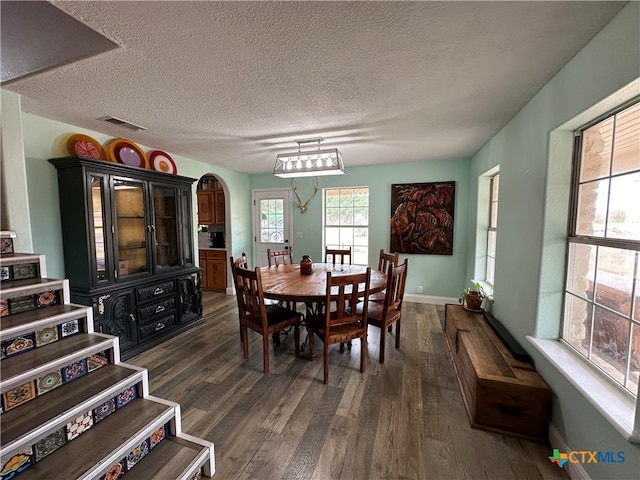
125	151
162	162
84	146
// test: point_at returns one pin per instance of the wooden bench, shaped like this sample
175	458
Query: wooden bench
500	393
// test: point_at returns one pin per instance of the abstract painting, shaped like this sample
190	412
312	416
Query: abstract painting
422	218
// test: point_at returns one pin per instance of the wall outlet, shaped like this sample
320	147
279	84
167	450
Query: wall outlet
298	234
419	288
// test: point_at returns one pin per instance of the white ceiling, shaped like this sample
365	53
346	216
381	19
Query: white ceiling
235	83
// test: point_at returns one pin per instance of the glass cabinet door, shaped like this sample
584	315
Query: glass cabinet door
165	209
98	224
130	227
186	229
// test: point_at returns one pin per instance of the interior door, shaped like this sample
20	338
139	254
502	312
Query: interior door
272	223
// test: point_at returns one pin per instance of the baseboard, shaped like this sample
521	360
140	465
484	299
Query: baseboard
575	470
409	297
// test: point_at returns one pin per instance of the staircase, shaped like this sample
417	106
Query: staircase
70	408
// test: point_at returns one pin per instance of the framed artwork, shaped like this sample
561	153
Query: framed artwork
422	218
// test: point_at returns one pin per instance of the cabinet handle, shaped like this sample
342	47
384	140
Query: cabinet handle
133	319
160	308
160	326
158	291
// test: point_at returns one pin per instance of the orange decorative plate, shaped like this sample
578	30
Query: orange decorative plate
121	150
162	162
80	145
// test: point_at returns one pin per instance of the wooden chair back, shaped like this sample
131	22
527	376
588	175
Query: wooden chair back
396	279
250	296
279	257
387	259
337	252
344	323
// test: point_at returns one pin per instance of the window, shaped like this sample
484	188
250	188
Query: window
492	231
346	221
602	290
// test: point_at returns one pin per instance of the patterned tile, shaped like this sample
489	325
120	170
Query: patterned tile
96	361
50	443
27	270
137	454
4	307
20	344
74	370
6	245
69	328
126	396
103	411
46	335
45	299
48	382
116	471
22	304
157	436
5	273
79	425
17	463
19	395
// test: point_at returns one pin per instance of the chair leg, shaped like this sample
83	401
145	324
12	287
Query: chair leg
312	348
341	347
363	352
383	338
296	339
326	362
244	334
398	333
265	352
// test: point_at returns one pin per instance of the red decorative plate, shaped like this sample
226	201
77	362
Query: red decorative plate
162	162
84	146
121	150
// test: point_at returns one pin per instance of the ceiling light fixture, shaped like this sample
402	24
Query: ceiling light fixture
309	163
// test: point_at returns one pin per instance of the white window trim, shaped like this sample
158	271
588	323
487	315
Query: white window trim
610	401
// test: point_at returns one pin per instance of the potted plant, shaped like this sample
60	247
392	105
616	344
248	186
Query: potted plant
472	298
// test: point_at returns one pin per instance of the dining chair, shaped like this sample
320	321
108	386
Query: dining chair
384	260
261	318
240	262
385	314
342	324
337	252
279	257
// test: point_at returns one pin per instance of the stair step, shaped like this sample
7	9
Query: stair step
172	458
29	365
15	288
105	443
27	423
26	322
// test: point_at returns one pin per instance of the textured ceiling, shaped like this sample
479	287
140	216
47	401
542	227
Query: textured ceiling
234	83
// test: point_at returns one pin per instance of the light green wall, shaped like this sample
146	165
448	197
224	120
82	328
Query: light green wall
45	138
439	275
534	185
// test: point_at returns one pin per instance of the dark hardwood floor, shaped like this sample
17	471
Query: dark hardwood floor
401	420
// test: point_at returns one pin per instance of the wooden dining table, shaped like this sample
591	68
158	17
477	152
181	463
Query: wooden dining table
285	283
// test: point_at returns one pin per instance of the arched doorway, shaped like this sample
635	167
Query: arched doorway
212	233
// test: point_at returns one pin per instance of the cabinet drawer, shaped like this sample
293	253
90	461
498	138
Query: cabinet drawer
157	290
150	311
214	254
158	326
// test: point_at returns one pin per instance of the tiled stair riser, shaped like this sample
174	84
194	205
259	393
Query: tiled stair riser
18	272
52	380
25	303
39	338
74	429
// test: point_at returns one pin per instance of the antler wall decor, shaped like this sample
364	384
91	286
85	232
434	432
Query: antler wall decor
299	204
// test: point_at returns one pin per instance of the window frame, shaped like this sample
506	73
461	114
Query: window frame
573	239
356	249
492	227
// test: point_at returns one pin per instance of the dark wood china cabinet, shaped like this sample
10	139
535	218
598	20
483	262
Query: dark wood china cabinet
128	249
